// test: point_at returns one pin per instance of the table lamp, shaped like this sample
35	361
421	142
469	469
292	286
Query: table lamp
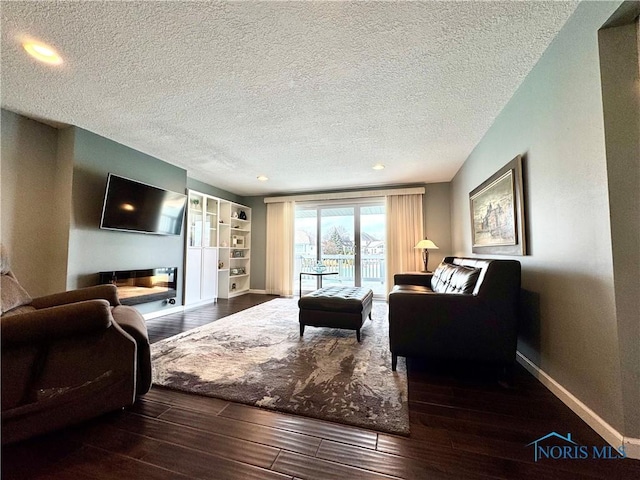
425	245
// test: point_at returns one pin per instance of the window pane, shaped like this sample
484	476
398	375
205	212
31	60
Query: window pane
372	248
305	247
338	246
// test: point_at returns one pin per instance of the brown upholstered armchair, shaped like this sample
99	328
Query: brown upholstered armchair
67	357
466	310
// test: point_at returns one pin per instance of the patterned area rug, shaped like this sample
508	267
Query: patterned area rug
257	357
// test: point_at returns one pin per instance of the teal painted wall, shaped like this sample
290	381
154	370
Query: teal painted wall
92	249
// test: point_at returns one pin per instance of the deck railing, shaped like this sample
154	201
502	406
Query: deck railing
372	266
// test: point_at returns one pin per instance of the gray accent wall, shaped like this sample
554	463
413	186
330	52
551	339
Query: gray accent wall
555	120
92	249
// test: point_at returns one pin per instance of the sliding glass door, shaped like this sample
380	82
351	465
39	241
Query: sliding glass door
337	245
348	239
372	227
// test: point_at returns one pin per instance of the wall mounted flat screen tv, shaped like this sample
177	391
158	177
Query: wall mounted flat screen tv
134	206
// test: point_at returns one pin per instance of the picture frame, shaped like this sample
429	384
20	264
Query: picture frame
237	241
498	213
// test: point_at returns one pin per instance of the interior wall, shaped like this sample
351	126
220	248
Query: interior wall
437	220
620	71
29	162
555	120
52	189
437	225
258	242
63	182
91	249
202	187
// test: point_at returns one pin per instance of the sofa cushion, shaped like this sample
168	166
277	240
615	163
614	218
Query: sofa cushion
441	277
449	278
12	294
464	280
411	288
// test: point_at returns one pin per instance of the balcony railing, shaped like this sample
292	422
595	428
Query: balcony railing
372	270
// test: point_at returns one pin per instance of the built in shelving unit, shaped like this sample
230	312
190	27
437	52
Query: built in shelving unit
235	249
218	258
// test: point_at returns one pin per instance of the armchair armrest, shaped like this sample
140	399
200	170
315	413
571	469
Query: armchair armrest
56	322
423	279
106	292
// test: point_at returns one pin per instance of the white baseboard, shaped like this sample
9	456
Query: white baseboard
261	292
591	418
176	309
165	311
632	447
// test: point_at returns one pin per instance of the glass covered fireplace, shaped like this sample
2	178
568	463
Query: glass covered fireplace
142	286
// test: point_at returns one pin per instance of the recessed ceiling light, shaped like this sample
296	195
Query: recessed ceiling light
263	178
378	166
42	52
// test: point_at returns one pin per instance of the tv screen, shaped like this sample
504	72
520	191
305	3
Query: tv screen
137	207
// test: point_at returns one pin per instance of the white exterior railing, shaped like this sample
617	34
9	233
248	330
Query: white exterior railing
372	266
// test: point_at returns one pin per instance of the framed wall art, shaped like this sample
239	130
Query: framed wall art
497	212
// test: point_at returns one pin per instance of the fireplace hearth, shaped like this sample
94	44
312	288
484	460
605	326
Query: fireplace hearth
143	286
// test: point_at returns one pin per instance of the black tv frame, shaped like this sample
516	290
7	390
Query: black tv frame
109	220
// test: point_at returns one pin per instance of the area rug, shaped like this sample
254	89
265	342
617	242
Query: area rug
257	357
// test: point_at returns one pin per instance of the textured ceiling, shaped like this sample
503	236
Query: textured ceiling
311	94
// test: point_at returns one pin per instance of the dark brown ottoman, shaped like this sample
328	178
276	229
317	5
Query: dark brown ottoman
336	307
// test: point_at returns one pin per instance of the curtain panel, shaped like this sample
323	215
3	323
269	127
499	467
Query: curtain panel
404	230
280	238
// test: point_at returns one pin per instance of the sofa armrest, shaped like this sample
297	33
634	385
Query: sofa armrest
459	309
56	322
449	325
407	304
106	292
423	279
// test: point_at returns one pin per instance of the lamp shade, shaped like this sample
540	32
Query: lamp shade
426	243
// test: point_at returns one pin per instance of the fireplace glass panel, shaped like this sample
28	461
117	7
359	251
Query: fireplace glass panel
142	286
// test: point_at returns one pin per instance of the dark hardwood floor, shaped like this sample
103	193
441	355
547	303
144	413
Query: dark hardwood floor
464	425
170	325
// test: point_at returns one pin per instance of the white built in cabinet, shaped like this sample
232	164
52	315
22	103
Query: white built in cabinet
218	248
235	249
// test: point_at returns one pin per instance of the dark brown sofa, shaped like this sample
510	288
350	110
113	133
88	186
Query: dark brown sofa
67	357
466	310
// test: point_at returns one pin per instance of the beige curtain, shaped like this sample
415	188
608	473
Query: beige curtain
404	230
280	218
